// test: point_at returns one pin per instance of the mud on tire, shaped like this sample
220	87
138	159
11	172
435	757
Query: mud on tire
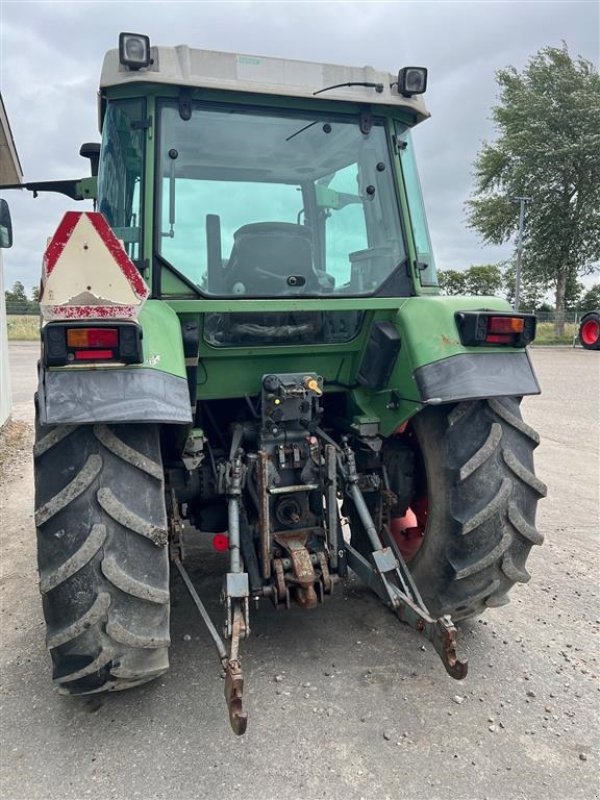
102	554
478	459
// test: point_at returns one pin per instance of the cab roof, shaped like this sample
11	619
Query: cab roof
191	67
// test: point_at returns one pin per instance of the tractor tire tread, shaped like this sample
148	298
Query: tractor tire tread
524	528
82	481
120	633
515	421
470	567
51	439
130	585
487	527
105	587
129	454
489	510
95	614
525	475
52	578
102	660
487	449
120	513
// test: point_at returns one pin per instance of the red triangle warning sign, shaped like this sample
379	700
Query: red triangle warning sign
87	274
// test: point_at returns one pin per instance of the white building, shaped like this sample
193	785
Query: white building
10	172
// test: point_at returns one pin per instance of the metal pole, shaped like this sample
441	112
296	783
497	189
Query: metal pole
521	201
203	612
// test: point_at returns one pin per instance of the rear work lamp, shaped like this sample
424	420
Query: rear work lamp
495	328
134	50
412	80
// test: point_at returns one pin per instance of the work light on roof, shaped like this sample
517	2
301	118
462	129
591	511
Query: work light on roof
134	50
412	80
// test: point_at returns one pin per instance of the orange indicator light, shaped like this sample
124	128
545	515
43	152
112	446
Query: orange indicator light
506	325
92	337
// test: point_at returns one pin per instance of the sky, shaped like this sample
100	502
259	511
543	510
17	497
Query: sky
51	54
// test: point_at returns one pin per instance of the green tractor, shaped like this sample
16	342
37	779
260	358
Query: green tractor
246	338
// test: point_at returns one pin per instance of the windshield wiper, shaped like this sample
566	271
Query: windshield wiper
377	86
300	130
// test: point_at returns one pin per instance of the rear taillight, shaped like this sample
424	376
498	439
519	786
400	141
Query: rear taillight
94	355
92	337
68	343
505	325
494	328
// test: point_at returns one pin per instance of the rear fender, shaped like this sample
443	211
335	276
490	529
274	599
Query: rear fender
434	367
154	391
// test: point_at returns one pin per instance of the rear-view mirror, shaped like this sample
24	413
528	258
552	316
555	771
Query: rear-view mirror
6	236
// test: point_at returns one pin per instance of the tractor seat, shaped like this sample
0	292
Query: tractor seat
271	258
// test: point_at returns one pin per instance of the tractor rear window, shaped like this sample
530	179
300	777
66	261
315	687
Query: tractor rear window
281	327
266	204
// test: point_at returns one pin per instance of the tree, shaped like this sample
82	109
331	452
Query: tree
35	293
484	279
591	299
452	281
532	292
478	279
17	294
17	301
548	147
573	292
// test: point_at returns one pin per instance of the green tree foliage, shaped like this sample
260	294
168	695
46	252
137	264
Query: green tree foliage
548	147
484	279
573	292
17	301
17	294
478	279
532	292
591	299
452	281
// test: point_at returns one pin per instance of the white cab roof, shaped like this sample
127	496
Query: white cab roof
186	66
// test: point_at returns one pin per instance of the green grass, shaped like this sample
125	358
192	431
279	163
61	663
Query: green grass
545	334
23	327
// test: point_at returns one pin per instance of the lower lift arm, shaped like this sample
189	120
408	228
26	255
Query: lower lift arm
388	576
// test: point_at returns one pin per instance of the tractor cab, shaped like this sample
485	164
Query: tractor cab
266	179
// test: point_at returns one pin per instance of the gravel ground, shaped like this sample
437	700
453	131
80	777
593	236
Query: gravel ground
344	702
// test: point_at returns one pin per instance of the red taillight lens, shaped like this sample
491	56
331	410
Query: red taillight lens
498	338
505	325
93	355
92	337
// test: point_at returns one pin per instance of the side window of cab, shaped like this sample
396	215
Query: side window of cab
416	207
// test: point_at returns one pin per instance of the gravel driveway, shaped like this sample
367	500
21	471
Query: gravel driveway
344	702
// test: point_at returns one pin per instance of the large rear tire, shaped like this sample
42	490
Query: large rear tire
482	496
102	554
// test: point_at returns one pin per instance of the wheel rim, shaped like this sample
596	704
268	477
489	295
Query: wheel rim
409	531
590	331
